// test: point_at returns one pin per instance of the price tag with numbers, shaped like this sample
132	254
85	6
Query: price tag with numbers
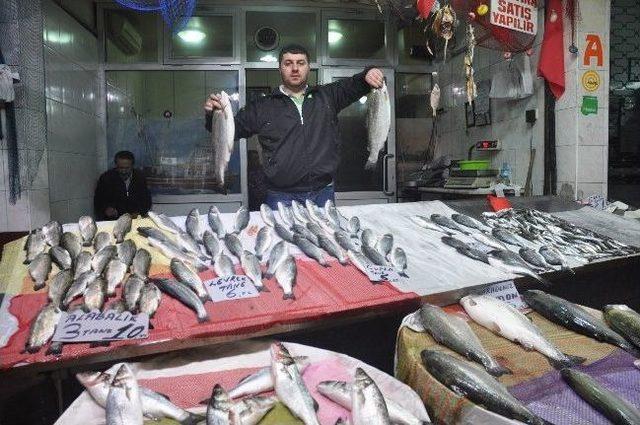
382	273
507	292
95	326
231	288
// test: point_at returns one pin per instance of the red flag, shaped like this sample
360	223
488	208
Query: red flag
551	65
424	7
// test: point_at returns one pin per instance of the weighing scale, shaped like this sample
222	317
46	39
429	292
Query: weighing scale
470	179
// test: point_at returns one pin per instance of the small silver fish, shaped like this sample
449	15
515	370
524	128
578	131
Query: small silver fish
122	227
194	226
114	274
373	255
304	231
233	244
310	250
59	286
61	257
241	220
276	257
149	301
354	226
124	406
332	249
223	266
39	270
251	267
286	274
88	229
385	244
141	263
101	240
71	243
299	212
132	292
399	260
42	328
190	278
211	244
286	216
215	222
94	295
267	215
52	232
345	241
264	239
283	232
368	237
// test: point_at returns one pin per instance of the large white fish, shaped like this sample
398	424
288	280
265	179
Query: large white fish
368	406
124	406
508	322
222	134
262	380
378	123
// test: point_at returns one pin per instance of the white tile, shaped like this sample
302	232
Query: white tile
59	175
593	130
18	213
569	98
591	164
3	211
566	163
566	127
38	165
39	207
80	207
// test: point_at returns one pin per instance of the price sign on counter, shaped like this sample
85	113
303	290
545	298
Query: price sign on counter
231	288
507	292
101	326
377	273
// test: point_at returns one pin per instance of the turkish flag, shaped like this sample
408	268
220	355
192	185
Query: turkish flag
424	7
551	65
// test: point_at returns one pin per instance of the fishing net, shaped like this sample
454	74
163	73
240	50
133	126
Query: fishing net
492	36
175	13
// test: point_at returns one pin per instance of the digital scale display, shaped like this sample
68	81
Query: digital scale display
484	145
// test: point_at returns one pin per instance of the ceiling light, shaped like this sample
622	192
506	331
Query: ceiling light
269	58
334	36
192	36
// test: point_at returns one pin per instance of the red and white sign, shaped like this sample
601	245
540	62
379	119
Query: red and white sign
517	15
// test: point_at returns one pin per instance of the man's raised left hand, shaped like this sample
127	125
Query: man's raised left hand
375	78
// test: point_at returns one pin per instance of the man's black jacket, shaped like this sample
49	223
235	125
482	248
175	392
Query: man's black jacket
112	192
299	157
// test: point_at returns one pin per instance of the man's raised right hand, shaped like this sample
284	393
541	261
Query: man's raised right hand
212	103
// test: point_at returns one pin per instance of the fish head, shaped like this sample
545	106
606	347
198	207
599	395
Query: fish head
91	379
470	301
329	387
361	380
280	354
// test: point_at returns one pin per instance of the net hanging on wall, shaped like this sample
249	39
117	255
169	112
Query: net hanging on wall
175	13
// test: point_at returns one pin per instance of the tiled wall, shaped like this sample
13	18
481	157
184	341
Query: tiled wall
21	44
508	116
71	90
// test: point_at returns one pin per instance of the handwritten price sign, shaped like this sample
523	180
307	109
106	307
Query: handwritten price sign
507	292
101	326
382	273
231	288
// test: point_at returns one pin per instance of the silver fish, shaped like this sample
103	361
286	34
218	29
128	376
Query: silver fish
223	266
299	212
215	222
220	409
378	123
150	297
368	406
340	392
251	410
332	249
454	242
385	244
477	385
315	228
506	237
427	224
61	257
283	232
310	250
34	246
101	240
264	239
42	328
190	278
132	291
276	257
286	274
78	286
488	241
71	243
262	380
188	244
368	237
164	222
124	406
474	254
39	270
267	215
251	267
88	229
234	244
185	295
242	219
211	244
117	305
194	225
345	241
122	227
59	286
83	264
446	222
152	232
456	334
467	221
94	295
508	322
398	260
114	274
222	137
290	387
286	216
171	250
126	252
331	212
373	255
304	231
512	263
52	232
533	257
354	226
553	257
141	263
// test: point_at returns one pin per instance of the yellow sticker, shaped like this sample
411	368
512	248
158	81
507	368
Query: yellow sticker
591	81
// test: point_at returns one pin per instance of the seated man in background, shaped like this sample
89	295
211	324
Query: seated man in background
122	189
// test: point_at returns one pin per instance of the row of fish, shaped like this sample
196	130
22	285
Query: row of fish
480	387
92	277
362	398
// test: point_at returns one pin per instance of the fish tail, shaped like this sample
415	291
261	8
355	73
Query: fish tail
54	349
268	275
192	419
86	244
404	274
26	261
568	361
204	298
99	344
203	318
290	296
263	289
38	286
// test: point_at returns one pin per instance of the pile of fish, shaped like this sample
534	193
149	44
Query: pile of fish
90	267
522	242
480	384
362	397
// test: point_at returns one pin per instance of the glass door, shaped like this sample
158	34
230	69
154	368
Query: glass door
354	184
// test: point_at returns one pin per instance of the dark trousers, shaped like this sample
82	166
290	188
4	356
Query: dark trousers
318	196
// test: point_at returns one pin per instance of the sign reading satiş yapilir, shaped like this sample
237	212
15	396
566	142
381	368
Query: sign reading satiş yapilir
517	15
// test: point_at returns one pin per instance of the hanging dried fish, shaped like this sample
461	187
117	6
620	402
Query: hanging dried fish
443	25
472	89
